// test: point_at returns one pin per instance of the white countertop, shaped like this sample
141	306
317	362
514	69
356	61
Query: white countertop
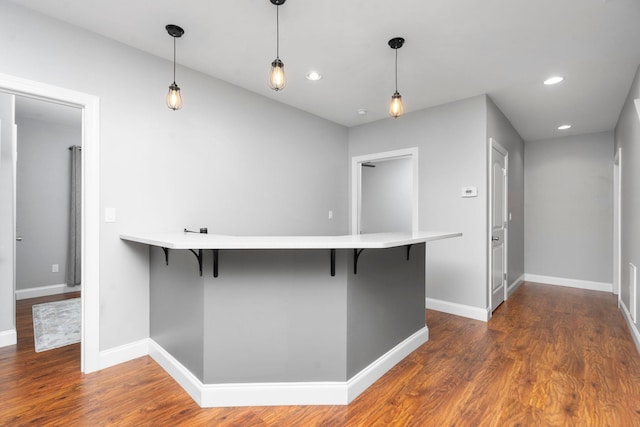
182	240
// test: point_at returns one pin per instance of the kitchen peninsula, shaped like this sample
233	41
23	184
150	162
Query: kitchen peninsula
284	320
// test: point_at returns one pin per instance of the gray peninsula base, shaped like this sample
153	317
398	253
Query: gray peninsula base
277	316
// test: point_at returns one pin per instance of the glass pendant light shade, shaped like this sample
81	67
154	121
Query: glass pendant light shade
277	80
174	99
276	76
396	109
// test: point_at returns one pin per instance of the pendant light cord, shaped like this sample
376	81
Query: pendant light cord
278	31
396	69
174	60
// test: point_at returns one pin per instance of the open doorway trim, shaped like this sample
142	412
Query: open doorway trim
356	183
90	104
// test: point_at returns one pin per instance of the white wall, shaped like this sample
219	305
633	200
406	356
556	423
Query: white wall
43	197
500	129
230	160
627	136
452	145
569	207
7	301
386	193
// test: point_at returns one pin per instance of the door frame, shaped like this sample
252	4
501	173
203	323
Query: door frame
90	245
617	223
492	143
356	183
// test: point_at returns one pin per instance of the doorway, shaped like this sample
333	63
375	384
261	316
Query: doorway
384	194
48	140
498	227
90	247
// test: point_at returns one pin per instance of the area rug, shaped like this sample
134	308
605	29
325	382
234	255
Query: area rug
56	324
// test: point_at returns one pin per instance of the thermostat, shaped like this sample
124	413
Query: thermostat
469	192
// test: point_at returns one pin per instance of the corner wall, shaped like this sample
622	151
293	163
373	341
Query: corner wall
500	129
452	145
627	136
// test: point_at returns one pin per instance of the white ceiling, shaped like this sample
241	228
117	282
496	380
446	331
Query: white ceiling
454	49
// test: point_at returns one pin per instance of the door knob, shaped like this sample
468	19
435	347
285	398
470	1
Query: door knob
495	238
19	239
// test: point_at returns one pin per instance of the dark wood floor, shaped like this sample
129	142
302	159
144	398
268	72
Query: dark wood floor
550	356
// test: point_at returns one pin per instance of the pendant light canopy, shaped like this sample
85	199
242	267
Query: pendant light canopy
276	76
396	109
174	99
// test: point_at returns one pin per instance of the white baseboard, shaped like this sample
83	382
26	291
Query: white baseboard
571	283
363	379
45	291
9	337
192	385
123	353
279	394
468	311
632	327
515	285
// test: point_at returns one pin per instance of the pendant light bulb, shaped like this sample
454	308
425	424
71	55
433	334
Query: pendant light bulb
277	80
396	109
276	77
174	99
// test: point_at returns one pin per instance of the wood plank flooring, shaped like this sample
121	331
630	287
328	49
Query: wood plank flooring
550	356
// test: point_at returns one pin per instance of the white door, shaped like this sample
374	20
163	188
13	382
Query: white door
498	224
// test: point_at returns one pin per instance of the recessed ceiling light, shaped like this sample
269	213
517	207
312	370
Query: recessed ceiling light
553	80
362	111
564	127
313	76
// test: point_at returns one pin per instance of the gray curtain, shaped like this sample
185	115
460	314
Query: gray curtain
75	219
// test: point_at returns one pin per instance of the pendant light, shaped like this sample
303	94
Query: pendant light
174	100
276	76
396	109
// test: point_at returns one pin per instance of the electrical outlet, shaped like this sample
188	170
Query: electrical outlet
55	268
330	215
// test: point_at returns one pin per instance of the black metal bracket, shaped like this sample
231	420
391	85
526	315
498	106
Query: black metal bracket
215	262
199	257
333	262
216	258
408	251
356	255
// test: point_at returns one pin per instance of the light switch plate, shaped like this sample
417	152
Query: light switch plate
469	192
110	215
